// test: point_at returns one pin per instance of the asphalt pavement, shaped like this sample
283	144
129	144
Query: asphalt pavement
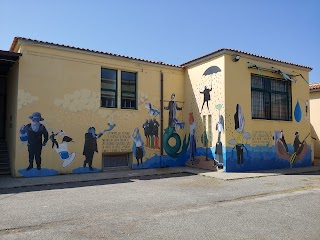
11	182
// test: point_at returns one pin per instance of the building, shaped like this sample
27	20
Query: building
314	117
115	111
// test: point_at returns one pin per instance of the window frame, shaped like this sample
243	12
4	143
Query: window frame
135	90
266	90
107	89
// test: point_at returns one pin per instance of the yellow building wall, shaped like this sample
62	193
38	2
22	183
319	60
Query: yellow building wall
11	113
315	121
258	134
64	86
197	78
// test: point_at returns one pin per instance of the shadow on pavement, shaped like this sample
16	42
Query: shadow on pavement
88	183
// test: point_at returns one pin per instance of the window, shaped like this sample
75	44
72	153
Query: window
108	88
116	160
270	98
128	90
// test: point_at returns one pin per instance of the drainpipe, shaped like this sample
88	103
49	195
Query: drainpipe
161	117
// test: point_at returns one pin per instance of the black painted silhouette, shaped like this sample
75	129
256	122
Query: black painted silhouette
53	140
35	131
206	97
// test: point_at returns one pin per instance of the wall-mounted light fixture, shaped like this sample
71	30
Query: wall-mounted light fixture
235	58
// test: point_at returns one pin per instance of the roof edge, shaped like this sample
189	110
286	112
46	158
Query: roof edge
17	39
234	51
183	65
314	87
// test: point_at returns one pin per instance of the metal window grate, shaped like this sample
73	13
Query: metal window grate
115	161
270	98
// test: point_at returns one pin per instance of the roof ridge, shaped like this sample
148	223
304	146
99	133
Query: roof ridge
150	61
15	41
314	86
247	53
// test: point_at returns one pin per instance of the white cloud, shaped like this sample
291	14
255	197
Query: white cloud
25	98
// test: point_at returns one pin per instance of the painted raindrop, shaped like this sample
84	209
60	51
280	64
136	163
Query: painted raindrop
297	112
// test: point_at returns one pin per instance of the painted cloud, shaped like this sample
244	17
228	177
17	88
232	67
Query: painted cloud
25	98
82	100
87	100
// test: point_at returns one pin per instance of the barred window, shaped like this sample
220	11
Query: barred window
270	98
108	88
128	90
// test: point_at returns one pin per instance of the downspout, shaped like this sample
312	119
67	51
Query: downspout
161	117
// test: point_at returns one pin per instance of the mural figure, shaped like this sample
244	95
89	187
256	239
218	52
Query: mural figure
240	135
218	152
151	128
208	73
151	133
53	139
239	127
296	143
206	97
280	136
146	128
173	108
239	119
138	146
37	136
63	152
155	133
152	111
205	142
65	138
173	125
90	144
300	148
193	145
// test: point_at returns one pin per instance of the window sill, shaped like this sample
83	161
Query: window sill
277	120
115	108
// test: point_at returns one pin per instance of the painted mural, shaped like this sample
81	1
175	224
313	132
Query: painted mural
208	73
151	127
299	148
254	151
298	112
170	132
138	146
147	153
220	128
193	142
90	147
62	149
36	135
240	136
208	91
206	97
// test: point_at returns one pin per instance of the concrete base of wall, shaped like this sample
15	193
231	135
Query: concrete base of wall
202	163
316	162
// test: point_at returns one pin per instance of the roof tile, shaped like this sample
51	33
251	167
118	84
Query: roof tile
314	86
15	41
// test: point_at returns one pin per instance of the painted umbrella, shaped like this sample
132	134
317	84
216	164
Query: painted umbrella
210	71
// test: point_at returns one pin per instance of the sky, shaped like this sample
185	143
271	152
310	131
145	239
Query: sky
171	31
